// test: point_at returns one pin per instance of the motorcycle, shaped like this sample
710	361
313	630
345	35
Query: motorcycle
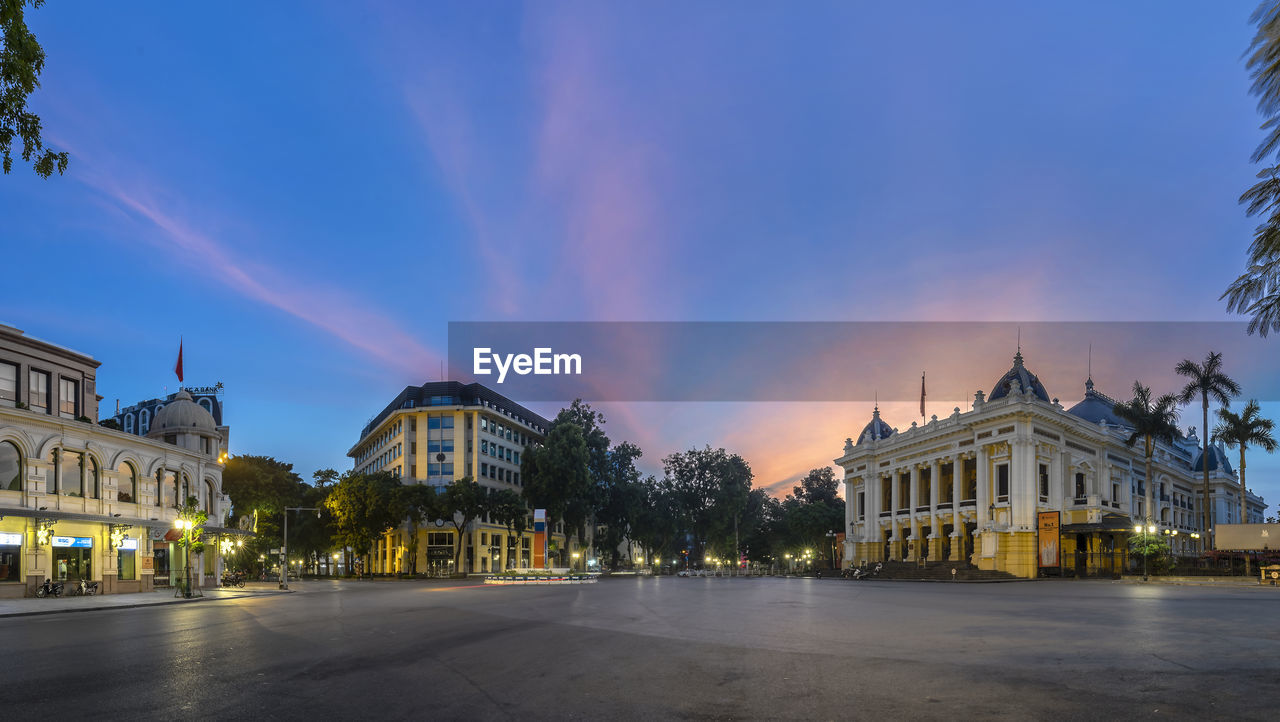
863	573
84	589
49	588
233	579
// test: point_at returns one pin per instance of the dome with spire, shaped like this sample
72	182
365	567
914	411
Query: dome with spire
1026	380
875	429
1096	407
1217	460
182	414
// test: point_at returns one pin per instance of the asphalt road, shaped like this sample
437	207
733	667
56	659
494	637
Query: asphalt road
660	649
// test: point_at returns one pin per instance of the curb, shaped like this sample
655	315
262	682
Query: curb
40	612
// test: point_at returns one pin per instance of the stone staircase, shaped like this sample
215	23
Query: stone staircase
940	572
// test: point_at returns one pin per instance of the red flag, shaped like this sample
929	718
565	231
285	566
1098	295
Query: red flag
177	368
922	394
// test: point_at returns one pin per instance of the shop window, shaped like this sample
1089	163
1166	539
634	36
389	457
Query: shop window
10	467
74	561
127	560
1044	482
10	557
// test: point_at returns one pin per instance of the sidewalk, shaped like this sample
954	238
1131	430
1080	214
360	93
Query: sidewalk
59	605
1199	581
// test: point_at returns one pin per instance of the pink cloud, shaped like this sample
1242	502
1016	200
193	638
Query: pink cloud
326	307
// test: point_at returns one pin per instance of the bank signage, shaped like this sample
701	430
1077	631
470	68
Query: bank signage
79	542
10	540
128	544
1049	532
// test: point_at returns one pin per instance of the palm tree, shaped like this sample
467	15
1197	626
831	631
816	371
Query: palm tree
1257	291
1207	381
1150	421
1244	429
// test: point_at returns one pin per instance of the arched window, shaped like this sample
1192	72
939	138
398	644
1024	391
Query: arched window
181	493
144	422
128	423
10	467
159	487
210	495
127	486
93	481
208	405
51	481
71	473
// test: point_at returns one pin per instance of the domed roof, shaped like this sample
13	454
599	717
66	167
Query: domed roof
182	414
876	429
1025	379
1217	460
1096	407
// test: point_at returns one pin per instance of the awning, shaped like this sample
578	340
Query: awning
173	535
75	516
1109	523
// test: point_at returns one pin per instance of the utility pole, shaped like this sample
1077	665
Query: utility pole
284	566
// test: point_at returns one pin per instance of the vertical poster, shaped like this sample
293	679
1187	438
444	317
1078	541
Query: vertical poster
539	538
1049	533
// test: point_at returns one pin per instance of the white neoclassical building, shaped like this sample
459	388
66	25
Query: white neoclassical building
989	484
80	501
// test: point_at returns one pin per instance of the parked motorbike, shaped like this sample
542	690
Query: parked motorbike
49	588
85	589
233	579
865	572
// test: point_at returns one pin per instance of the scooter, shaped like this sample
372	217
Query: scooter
49	587
85	589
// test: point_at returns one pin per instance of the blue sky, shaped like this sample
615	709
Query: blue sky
308	192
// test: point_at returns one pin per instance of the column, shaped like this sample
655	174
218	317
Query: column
893	492
935	529
1024	491
984	489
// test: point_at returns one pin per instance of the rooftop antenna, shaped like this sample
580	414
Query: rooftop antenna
1019	339
1091	361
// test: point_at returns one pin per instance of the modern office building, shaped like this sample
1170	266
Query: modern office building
436	433
80	501
978	485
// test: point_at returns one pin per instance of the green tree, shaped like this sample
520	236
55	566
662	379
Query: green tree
21	61
1257	291
363	507
418	503
618	498
711	488
507	508
1207	382
261	487
556	475
1154	547
1245	429
464	501
1152	421
655	524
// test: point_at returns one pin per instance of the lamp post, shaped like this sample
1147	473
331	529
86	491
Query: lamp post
284	566
1144	530
832	536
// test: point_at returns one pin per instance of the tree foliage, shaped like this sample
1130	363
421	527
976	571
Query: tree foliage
1256	292
464	501
557	476
21	61
1150	420
363	507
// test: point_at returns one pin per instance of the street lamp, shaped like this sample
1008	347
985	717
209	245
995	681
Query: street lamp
575	560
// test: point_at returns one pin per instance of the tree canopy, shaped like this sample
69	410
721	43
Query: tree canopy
21	62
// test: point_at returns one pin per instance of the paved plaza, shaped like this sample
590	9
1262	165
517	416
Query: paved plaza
662	648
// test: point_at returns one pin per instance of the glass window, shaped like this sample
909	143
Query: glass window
128	423
67	398
446	469
433	422
144	422
1079	485
1044	480
484	447
127	485
447	422
10	559
8	382
38	390
126	563
10	467
1002	482
446	444
93	481
70	479
433	445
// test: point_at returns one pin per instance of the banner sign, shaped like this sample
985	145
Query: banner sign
1050	531
79	542
148	565
13	540
128	544
539	538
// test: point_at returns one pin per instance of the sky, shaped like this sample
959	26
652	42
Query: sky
308	193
